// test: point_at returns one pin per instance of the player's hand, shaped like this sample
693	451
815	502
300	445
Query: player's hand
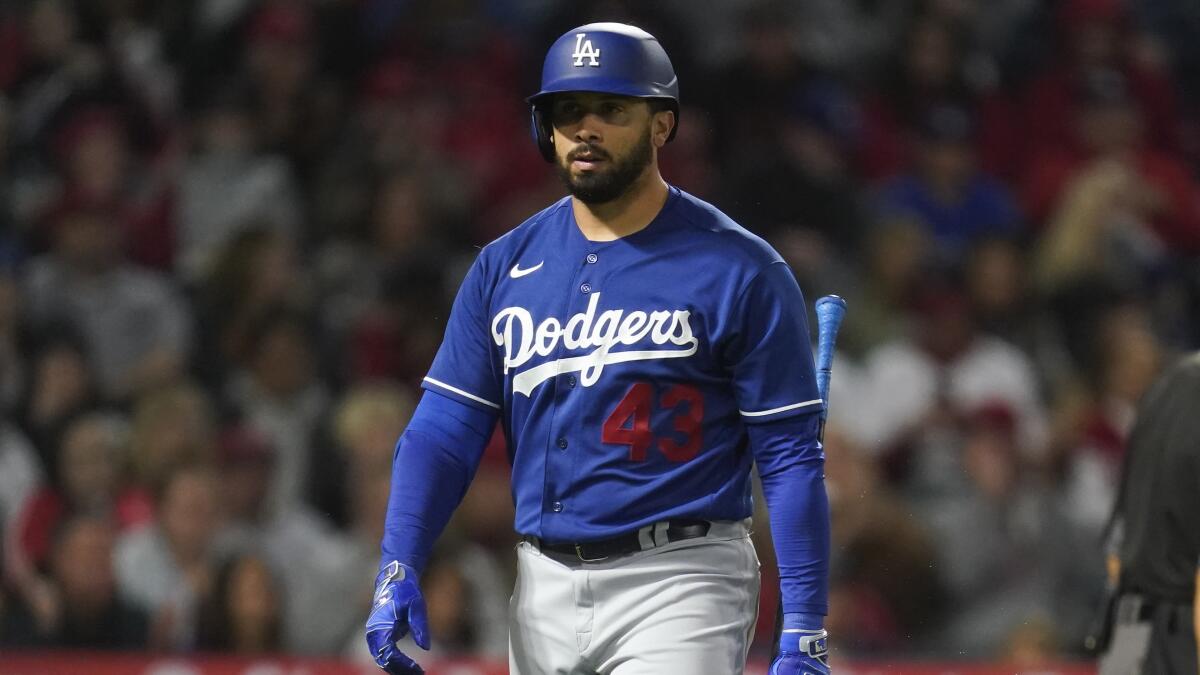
397	608
802	652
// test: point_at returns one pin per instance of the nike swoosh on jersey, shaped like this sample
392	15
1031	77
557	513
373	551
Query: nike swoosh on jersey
517	272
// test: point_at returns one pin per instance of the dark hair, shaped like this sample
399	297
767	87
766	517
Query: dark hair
233	269
214	630
658	105
277	318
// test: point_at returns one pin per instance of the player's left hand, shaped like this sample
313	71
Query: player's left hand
397	608
802	652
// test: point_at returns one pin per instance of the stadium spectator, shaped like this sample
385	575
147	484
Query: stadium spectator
1148	198
1005	548
46	63
883	589
405	224
896	254
60	385
167	569
100	169
397	337
134	35
929	69
366	422
90	479
136	326
946	191
1002	301
314	559
1099	35
89	613
1097	417
767	72
278	392
244	613
295	108
803	183
172	427
948	371
257	189
256	272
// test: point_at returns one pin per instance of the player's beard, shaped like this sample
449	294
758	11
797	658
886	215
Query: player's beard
601	187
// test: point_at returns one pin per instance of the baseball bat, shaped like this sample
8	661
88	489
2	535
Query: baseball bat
831	309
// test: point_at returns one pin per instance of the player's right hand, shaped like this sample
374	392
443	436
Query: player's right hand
397	608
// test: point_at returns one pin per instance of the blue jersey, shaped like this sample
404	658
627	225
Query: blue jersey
625	371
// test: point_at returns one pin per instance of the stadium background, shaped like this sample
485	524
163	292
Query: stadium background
231	231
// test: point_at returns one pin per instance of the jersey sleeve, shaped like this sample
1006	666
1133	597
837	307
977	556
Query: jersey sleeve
771	352
464	368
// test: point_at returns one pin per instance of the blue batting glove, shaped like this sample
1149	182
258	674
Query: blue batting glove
398	608
802	651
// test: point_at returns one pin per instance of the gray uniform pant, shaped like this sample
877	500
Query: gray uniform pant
687	607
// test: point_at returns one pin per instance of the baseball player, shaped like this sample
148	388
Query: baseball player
641	350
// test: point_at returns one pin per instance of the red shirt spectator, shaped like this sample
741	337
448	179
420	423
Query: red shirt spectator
929	74
1109	127
1096	35
48	509
89	481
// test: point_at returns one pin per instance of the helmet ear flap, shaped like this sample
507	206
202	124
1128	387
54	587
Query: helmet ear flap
539	127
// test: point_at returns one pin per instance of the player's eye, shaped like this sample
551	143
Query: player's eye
612	111
566	112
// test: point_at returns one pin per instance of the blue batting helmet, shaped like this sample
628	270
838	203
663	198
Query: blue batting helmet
608	58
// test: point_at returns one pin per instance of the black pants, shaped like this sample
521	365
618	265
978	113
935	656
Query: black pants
1151	639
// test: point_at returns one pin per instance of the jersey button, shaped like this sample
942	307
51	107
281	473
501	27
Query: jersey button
592	258
556	507
562	444
571	381
585	288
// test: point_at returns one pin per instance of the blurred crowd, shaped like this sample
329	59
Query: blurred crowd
230	232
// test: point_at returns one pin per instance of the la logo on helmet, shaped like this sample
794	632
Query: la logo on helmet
585	50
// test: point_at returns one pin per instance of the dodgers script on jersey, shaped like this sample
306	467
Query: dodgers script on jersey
625	371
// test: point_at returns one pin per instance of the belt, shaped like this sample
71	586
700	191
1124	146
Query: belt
1135	608
643	539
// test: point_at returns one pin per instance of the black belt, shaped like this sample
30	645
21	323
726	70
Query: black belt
1134	608
644	539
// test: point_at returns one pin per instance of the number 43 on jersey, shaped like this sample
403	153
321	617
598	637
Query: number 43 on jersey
629	422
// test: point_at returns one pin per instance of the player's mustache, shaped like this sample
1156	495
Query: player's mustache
591	151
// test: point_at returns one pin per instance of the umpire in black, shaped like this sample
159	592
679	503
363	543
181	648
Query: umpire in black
1156	533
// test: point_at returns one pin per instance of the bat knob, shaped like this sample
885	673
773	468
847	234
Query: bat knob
830	303
830	309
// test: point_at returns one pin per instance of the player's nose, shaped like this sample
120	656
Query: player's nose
589	129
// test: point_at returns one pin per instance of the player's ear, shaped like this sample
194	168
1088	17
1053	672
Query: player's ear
662	121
